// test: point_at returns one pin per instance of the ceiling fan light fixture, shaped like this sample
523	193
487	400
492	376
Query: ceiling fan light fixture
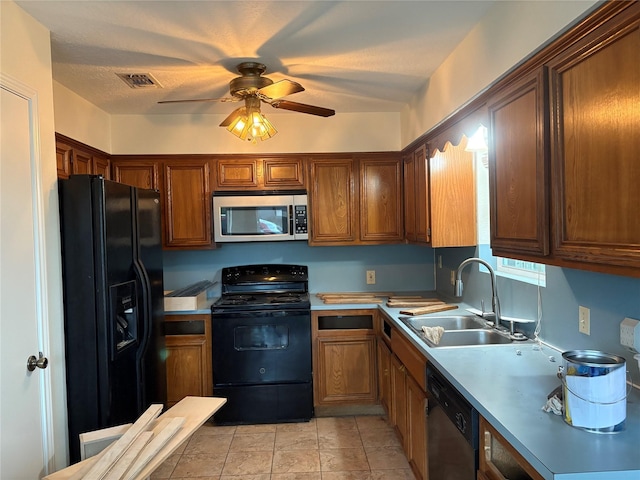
250	124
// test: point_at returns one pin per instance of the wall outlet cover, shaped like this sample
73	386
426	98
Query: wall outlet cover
371	277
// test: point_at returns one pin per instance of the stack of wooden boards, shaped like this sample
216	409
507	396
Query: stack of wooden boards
419	305
145	444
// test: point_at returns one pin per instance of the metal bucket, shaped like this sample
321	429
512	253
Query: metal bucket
594	390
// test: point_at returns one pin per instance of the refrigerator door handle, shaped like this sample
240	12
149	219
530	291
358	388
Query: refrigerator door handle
146	312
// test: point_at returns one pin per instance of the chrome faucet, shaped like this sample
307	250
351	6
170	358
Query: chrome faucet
495	302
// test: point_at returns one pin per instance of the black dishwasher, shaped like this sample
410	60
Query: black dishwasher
452	431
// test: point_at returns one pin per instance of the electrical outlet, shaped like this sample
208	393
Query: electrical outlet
584	320
371	277
453	277
439	261
630	334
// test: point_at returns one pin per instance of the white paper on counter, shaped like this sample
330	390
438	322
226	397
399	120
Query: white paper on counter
604	389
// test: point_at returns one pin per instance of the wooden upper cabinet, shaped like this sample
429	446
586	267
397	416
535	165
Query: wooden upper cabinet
518	167
81	162
237	174
381	200
452	197
260	173
137	173
63	159
595	99
416	196
101	165
332	201
283	173
356	201
75	158
187	209
409	198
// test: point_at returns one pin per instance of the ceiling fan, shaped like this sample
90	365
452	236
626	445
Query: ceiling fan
247	122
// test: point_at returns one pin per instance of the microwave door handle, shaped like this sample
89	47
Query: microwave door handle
291	219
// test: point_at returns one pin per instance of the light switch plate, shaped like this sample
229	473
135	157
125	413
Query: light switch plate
584	320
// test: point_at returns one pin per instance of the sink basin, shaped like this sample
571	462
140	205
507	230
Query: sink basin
466	338
449	322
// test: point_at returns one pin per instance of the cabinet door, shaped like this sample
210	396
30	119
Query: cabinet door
518	168
381	200
421	181
187	210
101	166
283	173
142	174
417	428
235	174
346	370
410	202
333	202
399	399
499	460
186	367
81	162
453	197
384	375
63	159
595	97
188	357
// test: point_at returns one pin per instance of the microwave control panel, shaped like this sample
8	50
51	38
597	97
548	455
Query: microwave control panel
300	219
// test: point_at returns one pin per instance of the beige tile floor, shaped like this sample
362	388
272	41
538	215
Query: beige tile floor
326	448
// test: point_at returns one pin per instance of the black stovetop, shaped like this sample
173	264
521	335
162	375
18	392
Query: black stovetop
263	287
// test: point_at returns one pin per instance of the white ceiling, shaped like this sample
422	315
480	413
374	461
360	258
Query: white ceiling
352	56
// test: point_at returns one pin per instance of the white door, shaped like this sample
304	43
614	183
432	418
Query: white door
25	406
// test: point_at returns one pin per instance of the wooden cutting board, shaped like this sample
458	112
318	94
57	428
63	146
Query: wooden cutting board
343	300
430	309
352	297
425	302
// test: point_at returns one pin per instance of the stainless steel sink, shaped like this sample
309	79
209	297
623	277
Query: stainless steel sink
459	330
449	322
466	338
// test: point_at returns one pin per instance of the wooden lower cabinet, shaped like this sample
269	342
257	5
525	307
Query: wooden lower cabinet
344	357
398	415
188	357
416	428
499	460
407	401
384	375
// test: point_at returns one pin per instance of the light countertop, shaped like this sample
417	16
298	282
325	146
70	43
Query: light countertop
508	385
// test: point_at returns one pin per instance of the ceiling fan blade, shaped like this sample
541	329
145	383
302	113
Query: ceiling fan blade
224	99
232	116
281	89
303	108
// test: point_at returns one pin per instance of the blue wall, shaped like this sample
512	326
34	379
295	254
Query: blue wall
610	298
398	268
331	269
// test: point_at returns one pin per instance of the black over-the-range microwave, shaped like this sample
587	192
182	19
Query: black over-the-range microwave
263	216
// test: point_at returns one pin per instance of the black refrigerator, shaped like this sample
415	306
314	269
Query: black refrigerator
113	303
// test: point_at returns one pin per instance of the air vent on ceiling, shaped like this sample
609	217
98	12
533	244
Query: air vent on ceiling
139	80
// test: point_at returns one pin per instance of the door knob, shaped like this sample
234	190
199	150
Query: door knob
40	362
